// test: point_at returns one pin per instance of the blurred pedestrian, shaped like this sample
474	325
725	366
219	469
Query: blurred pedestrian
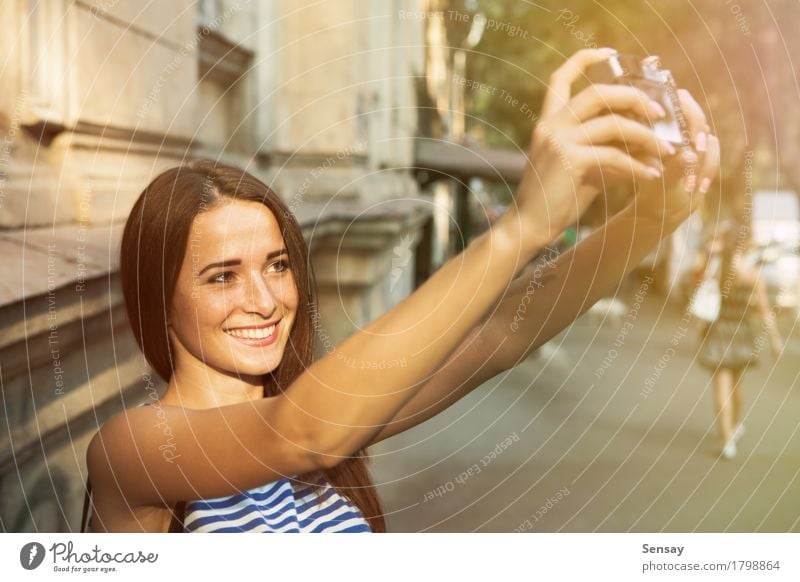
729	344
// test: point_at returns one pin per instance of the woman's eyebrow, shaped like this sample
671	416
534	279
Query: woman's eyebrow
233	262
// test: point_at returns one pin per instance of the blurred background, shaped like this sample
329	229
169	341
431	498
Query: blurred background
397	130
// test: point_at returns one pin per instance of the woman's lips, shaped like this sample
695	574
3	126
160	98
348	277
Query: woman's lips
256	341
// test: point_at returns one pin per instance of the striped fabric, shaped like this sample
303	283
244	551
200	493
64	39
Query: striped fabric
281	506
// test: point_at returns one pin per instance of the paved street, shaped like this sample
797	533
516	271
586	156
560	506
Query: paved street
561	444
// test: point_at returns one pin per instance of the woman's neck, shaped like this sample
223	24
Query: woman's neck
201	386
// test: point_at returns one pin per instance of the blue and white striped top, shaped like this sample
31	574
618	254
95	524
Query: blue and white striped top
280	506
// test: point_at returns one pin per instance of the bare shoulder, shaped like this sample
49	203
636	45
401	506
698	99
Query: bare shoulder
111	508
117	433
155	456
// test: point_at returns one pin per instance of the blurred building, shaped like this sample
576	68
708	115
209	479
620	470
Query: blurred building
452	166
317	99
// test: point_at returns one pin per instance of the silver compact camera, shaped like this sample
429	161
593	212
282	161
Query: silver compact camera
657	83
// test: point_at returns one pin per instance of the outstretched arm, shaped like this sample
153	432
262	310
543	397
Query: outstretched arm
557	295
542	301
572	139
561	291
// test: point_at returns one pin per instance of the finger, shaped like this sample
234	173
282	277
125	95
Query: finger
651	61
652	161
710	166
698	135
559	90
630	134
695	119
620	98
611	158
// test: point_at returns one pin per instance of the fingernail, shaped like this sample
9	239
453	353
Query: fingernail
608	51
652	61
658	109
704	185
654	172
701	142
691	181
667	147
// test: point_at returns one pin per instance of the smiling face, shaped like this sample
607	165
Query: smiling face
235	283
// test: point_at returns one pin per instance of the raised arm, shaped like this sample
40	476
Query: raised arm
330	410
538	305
578	278
548	297
334	408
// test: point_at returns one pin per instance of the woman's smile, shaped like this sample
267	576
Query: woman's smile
256	336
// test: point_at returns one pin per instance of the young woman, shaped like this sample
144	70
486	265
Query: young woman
251	435
730	344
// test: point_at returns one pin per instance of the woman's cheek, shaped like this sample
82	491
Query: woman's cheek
291	296
220	301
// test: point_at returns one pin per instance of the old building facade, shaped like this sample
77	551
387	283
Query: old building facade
318	99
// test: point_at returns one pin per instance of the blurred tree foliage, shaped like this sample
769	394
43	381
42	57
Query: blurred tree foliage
737	58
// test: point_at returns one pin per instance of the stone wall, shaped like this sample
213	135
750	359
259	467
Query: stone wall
318	101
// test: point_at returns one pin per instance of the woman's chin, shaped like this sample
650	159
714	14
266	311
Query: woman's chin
255	366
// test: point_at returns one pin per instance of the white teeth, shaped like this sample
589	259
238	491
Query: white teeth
252	333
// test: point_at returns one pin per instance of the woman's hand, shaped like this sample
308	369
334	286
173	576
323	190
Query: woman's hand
666	204
573	139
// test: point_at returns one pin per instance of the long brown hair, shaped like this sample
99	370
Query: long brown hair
153	246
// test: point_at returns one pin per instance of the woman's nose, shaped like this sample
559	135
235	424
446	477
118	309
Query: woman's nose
259	298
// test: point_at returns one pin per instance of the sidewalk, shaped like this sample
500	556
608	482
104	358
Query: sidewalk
567	443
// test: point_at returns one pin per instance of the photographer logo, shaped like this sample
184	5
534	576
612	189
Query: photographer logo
31	555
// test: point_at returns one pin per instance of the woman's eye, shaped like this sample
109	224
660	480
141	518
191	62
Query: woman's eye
284	266
221	277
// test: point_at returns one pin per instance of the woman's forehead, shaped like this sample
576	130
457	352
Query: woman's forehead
237	224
